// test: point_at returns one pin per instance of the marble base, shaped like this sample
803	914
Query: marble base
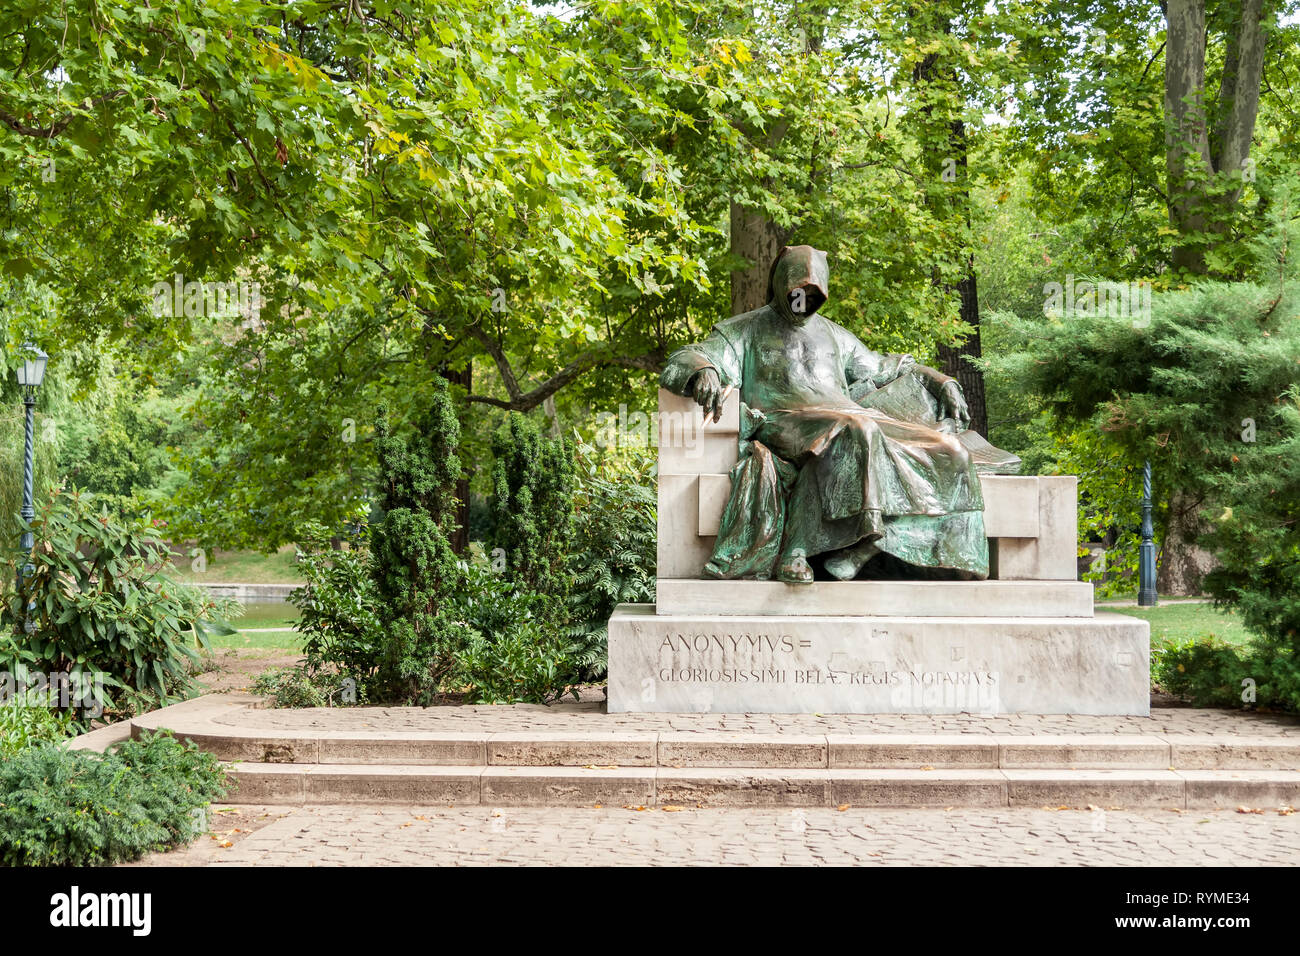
876	598
750	663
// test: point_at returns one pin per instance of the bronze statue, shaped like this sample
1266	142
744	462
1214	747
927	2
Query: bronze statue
846	454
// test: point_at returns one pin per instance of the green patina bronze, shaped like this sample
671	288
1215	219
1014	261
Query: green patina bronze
846	455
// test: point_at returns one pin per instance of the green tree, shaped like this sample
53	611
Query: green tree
533	483
414	566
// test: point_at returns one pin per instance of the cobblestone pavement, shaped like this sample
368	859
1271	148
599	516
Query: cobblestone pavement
589	717
370	835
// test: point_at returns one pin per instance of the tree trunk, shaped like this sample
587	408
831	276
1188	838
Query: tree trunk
756	239
1182	565
953	359
459	539
954	362
1187	140
1200	142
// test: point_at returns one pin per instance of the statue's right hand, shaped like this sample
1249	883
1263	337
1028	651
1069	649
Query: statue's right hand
706	389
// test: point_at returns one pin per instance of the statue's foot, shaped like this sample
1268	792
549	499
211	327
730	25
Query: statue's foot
795	569
846	563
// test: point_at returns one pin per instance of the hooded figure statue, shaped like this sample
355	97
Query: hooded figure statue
846	454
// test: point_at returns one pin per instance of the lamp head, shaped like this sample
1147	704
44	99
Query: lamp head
32	372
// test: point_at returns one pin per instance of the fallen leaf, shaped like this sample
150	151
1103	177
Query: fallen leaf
1248	810
672	809
842	807
927	767
595	766
227	845
1285	811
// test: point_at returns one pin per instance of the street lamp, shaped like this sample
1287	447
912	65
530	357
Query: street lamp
1147	549
30	375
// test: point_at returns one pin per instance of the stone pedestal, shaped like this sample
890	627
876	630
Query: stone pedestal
1023	642
754	663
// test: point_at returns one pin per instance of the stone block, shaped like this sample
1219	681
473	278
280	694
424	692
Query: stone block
713	493
1010	506
1256	789
1084	752
690	444
912	752
816	664
877	598
923	788
712	787
448	749
1052	555
387	783
681	553
1126	789
269	784
749	750
562	749
567	787
1201	752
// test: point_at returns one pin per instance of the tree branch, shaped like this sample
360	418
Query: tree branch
58	126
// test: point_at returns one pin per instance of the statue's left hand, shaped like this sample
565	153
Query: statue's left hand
952	404
706	389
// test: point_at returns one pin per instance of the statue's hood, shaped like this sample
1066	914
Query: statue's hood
798	267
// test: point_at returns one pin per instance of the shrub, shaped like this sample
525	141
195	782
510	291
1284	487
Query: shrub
338	605
1214	674
102	603
307	687
30	718
532	504
77	808
613	557
512	652
414	565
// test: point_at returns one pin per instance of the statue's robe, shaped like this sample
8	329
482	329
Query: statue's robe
820	472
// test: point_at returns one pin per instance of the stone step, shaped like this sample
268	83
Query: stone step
304	784
749	750
941	599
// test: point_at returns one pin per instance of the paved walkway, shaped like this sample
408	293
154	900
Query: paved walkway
399	836
587	717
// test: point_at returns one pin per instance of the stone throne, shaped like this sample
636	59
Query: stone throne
1024	641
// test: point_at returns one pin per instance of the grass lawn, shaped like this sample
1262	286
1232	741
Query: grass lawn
273	640
242	567
1173	623
260	615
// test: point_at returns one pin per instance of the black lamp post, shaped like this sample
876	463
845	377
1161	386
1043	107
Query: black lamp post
30	375
1147	549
